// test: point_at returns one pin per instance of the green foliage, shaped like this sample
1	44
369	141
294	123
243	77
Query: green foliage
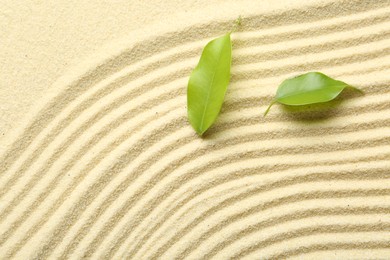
208	83
309	88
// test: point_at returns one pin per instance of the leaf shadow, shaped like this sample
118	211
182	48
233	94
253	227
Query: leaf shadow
211	133
307	114
320	111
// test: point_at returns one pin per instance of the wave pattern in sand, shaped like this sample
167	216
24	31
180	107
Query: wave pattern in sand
110	168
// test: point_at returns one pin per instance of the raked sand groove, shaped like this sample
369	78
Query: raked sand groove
109	168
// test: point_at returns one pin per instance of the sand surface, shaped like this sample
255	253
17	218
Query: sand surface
97	159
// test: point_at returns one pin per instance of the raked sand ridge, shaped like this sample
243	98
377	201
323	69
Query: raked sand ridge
108	167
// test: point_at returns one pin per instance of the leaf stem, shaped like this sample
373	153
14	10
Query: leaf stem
269	107
237	23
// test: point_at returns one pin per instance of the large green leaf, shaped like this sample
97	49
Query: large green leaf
208	83
309	88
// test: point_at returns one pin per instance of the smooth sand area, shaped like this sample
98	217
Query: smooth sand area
98	161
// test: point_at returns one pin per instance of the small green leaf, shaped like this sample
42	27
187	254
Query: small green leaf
309	88
208	83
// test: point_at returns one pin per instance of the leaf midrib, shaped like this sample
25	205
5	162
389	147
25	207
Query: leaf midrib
208	94
303	92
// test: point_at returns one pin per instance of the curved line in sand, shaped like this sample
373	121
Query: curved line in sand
242	140
322	30
233	177
236	198
301	215
320	230
36	178
371	245
9	184
168	95
181	183
285	236
100	207
47	165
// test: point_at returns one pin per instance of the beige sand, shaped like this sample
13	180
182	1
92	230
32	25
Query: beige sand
98	160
